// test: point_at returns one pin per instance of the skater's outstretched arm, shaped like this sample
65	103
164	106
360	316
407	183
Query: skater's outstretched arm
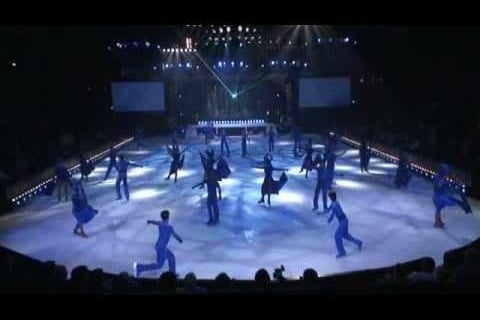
153	222
135	165
176	236
341	153
279	169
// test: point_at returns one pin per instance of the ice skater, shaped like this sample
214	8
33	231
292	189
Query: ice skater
165	230
403	175
271	139
330	159
323	184
113	162
122	167
245	141
177	160
269	185
365	153
297	140
213	186
86	167
443	196
342	230
307	163
63	181
224	143
81	210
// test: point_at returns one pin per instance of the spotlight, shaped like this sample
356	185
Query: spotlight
228	29
147	44
181	50
176	50
163	50
239	28
346	40
234	95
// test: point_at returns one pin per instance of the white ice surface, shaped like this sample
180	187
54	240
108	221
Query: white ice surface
395	225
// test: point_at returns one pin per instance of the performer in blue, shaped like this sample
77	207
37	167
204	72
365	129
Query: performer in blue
113	162
122	167
81	210
177	160
165	231
307	163
245	140
224	143
342	230
442	196
269	185
86	167
322	182
403	175
365	152
63	181
271	139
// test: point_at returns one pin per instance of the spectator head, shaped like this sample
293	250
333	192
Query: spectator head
168	281
190	281
310	276
262	278
223	281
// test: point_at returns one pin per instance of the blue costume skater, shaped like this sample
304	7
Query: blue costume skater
165	230
342	230
122	167
113	162
323	184
224	143
269	185
63	181
442	196
81	210
365	153
403	175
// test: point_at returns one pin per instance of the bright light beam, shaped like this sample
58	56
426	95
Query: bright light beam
215	75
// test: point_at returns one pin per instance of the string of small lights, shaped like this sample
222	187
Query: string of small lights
37	188
419	169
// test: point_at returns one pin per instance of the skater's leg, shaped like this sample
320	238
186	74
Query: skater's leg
117	187
171	261
125	188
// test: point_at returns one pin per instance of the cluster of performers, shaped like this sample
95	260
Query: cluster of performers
216	169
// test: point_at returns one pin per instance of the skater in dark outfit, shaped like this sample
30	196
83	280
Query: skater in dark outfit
177	160
403	175
86	167
323	183
269	185
271	139
224	143
365	153
443	196
297	140
331	157
307	163
245	140
113	162
122	167
63	181
213	186
81	210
